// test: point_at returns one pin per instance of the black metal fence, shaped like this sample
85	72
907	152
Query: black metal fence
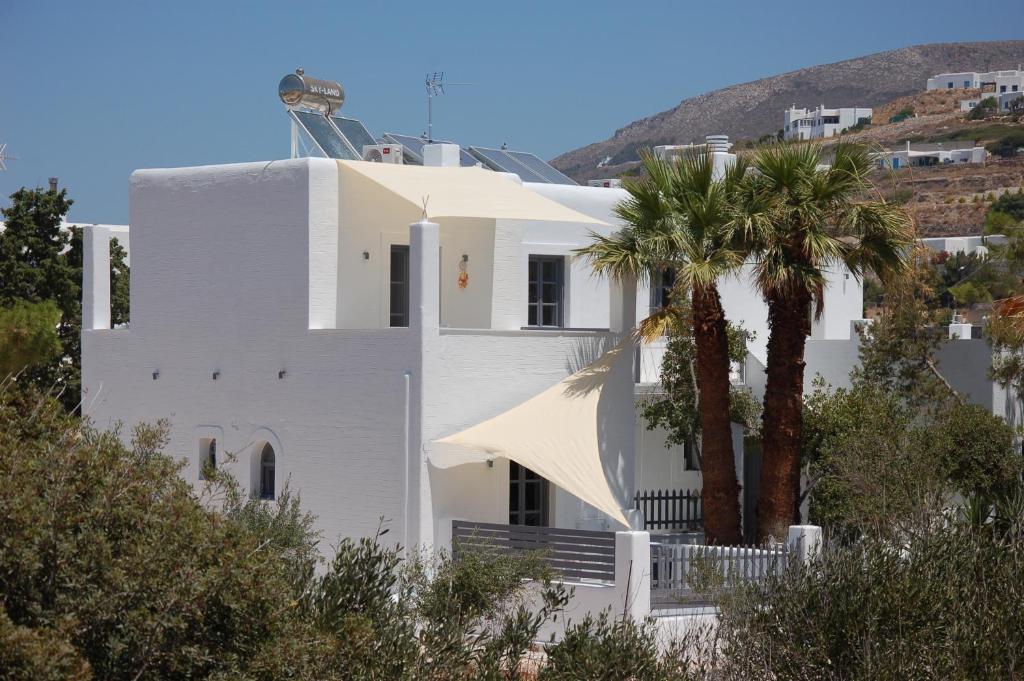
670	509
575	554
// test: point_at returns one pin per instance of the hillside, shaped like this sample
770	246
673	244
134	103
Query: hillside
749	110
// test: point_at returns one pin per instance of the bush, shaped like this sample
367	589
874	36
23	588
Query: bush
112	567
944	603
1011	204
985	108
1007	146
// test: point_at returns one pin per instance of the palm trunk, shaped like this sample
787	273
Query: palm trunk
789	321
718	467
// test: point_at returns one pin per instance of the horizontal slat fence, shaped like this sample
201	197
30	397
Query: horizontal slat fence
670	509
574	554
682	573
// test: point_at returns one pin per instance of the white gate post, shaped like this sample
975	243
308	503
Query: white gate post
804	541
633	574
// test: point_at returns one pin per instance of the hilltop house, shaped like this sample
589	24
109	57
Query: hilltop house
819	123
999	82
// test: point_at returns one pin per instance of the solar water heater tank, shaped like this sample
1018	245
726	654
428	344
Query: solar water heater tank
299	91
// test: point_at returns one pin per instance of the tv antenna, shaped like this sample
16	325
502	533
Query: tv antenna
435	86
5	157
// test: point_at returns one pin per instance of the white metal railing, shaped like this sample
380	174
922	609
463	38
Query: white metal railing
682	573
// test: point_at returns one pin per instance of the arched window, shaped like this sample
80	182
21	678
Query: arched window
207	455
267	472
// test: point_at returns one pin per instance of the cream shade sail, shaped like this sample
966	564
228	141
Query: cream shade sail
555	434
463	192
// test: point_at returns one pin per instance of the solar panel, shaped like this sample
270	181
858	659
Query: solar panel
541	167
497	159
412	147
325	135
355	132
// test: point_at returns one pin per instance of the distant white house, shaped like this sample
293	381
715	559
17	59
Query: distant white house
999	82
1004	101
805	124
930	155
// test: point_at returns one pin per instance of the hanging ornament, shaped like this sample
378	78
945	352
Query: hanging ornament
463	274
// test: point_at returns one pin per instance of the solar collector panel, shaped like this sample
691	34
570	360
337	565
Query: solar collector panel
325	135
498	159
541	167
355	132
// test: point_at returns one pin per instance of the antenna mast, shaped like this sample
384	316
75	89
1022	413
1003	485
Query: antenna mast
5	157
435	86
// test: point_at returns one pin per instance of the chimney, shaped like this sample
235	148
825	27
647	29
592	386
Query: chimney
53	184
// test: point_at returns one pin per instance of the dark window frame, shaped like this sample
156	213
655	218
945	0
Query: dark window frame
268	472
662	282
520	480
398	315
536	301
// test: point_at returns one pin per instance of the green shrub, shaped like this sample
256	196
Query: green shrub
985	108
1007	145
942	603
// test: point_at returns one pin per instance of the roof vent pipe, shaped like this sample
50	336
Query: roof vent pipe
718	143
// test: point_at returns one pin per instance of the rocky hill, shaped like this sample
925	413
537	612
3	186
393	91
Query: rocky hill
752	109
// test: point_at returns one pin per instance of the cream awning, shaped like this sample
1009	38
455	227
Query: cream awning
463	192
554	434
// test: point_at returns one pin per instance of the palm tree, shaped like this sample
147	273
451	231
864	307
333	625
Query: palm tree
681	217
819	219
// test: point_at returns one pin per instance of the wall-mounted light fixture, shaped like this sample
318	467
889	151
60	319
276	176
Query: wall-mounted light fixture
490	463
215	375
366	255
280	374
156	374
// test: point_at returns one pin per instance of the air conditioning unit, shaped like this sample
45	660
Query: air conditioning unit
611	182
383	153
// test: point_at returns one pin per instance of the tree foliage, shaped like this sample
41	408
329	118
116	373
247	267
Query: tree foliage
675	409
42	261
113	567
28	335
878	464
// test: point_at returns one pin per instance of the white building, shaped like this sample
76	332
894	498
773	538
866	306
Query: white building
286	313
805	124
999	82
923	155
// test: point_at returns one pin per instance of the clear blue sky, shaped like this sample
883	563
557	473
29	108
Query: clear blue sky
93	90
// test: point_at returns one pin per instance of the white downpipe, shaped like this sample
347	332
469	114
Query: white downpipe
405	468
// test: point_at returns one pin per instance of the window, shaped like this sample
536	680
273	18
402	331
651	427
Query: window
527	497
967	83
691	460
950	85
1002	88
267	464
399	306
545	290
207	456
1015	87
662	282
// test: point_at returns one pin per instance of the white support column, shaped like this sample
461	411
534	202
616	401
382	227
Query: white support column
95	277
424	325
633	574
424	276
622	301
804	541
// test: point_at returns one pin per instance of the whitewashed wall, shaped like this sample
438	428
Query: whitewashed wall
220	282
